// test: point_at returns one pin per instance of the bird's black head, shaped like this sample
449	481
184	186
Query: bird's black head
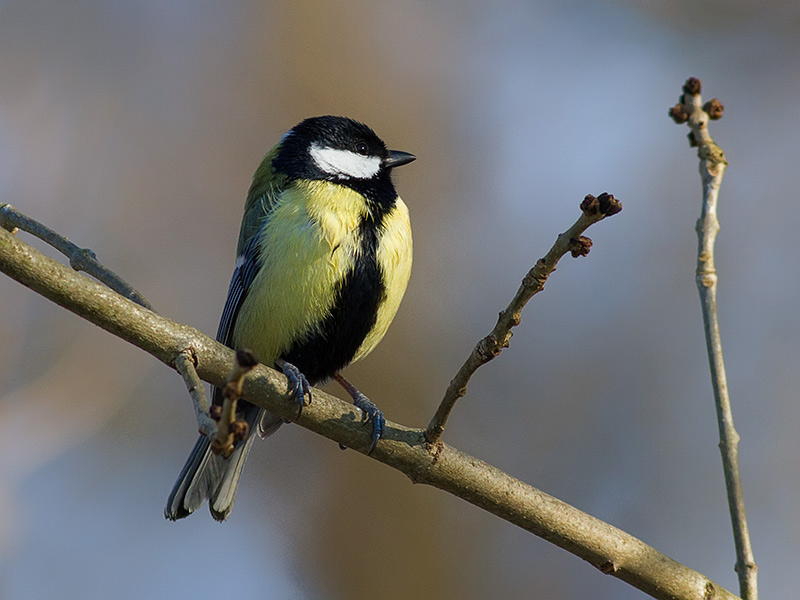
336	149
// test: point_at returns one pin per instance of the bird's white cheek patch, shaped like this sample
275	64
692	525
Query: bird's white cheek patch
343	163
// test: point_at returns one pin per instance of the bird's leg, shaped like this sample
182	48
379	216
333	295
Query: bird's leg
298	384
371	412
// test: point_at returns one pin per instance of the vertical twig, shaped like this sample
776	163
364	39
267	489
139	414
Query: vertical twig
712	167
229	429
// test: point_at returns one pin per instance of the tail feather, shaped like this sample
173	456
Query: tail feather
190	490
224	495
206	476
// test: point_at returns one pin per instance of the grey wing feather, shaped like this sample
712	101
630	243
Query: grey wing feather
244	274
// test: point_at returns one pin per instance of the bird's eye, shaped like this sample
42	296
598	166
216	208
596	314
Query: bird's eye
362	148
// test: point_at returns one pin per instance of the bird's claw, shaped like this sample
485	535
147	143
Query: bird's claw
297	384
371	413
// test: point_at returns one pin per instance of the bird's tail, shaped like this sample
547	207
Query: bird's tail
207	476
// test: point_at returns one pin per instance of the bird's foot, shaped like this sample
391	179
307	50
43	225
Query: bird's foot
371	413
298	385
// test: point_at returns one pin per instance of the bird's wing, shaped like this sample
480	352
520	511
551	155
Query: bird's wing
261	201
247	264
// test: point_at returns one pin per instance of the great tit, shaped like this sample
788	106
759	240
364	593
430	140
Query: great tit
323	260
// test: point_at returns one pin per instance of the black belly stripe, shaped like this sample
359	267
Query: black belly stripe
354	313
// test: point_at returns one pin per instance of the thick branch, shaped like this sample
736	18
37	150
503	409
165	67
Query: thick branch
712	168
612	551
592	210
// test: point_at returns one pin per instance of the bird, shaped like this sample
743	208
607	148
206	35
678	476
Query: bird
323	260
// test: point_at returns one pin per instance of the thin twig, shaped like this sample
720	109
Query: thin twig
80	259
712	167
592	210
229	430
185	365
607	548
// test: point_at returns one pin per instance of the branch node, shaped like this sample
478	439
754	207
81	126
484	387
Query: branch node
536	277
714	159
590	205
693	86
608	567
604	205
707	279
679	114
81	258
710	592
579	246
714	109
487	349
239	430
215	411
435	448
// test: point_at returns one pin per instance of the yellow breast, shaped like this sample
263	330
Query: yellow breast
307	246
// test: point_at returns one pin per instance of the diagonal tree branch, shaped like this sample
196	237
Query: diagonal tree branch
592	210
609	549
692	111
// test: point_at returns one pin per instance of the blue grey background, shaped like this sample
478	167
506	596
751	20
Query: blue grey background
134	128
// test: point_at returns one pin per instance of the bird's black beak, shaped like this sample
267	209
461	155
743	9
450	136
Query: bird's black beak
398	159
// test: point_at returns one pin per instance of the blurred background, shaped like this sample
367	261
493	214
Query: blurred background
134	128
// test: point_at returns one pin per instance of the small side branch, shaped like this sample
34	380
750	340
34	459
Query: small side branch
80	259
592	210
185	363
692	111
